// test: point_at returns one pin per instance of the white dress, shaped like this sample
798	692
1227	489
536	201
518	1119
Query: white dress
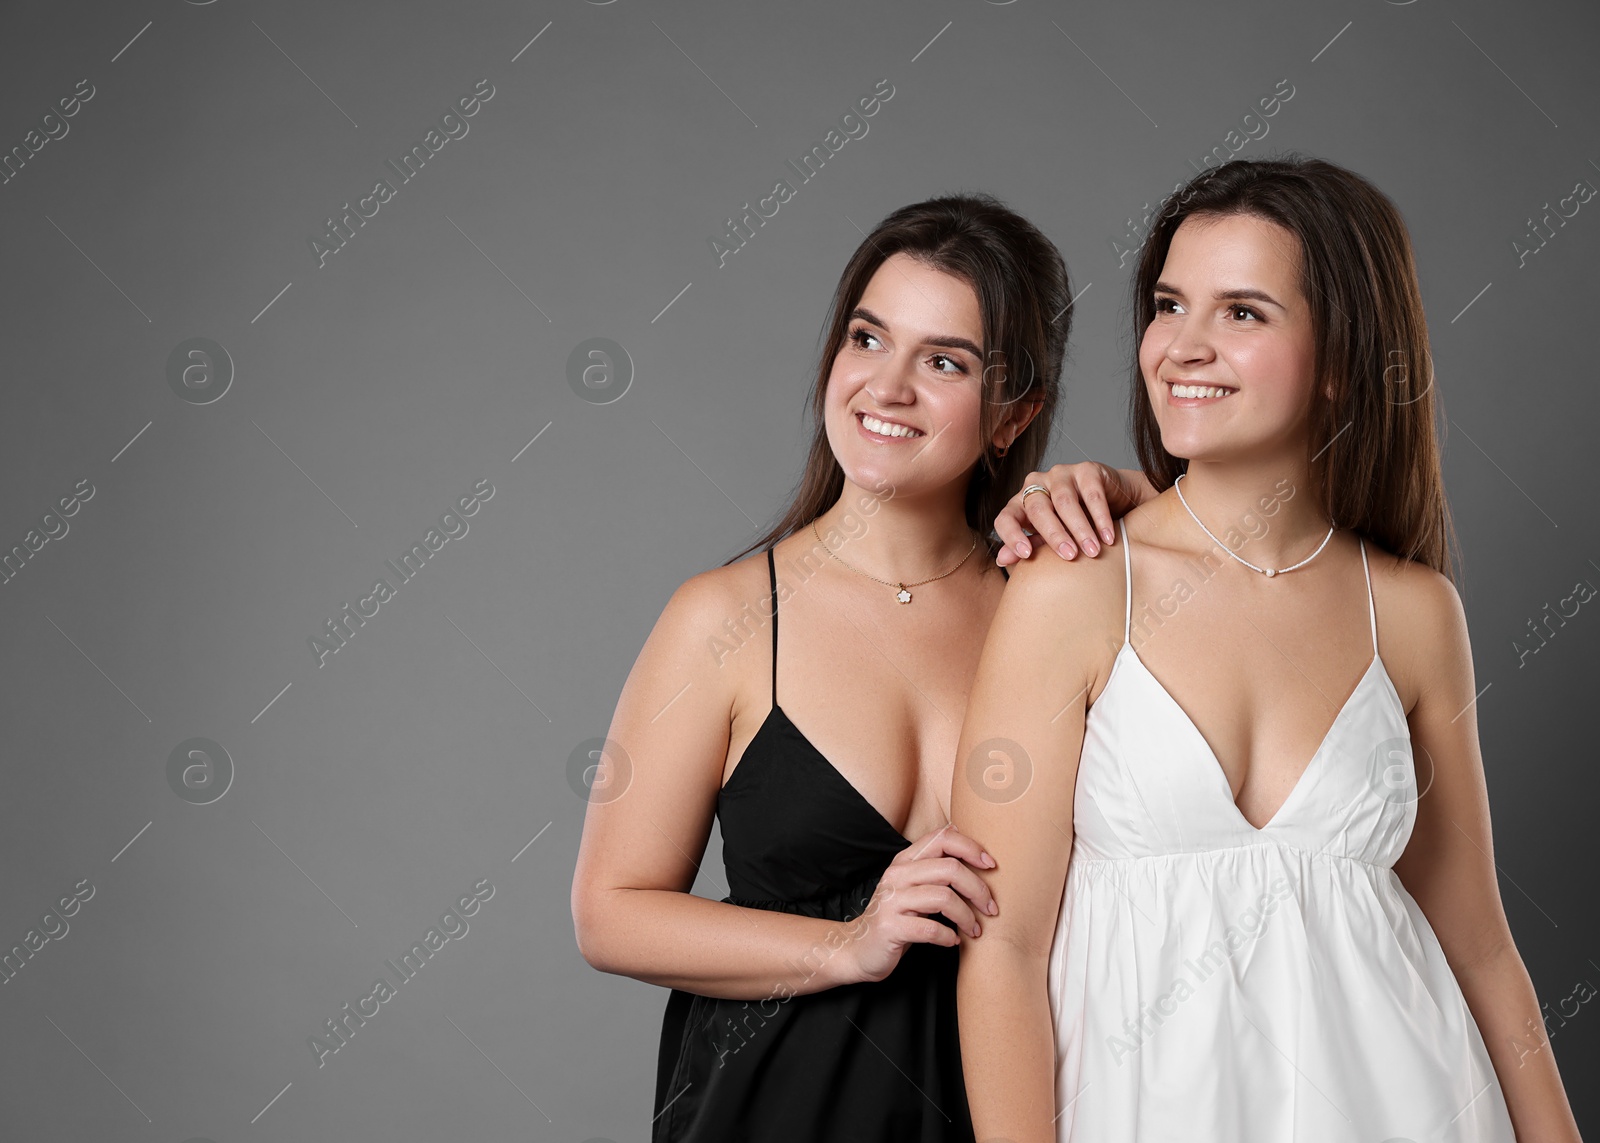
1214	981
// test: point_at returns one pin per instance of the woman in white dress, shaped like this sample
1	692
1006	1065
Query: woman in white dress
1232	780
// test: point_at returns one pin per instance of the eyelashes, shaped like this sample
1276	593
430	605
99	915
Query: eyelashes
858	335
1167	306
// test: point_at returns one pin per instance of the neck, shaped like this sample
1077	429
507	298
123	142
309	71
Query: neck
1264	512
896	537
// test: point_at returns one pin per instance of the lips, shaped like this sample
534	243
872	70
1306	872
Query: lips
1188	391
884	429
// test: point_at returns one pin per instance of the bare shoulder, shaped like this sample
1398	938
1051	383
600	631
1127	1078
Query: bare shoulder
1422	626
1044	578
709	616
1056	606
719	592
1419	598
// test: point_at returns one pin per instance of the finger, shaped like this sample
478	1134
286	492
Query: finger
947	840
911	922
941	899
1044	515
1073	518
1011	524
1100	483
1013	539
957	875
961	913
925	930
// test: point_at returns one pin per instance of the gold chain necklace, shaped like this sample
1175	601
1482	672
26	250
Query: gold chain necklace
902	590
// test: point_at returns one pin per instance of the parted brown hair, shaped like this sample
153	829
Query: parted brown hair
1378	469
1024	297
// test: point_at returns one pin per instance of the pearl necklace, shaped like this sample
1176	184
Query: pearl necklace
1268	572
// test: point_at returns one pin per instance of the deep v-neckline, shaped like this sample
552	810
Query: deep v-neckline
1216	766
776	713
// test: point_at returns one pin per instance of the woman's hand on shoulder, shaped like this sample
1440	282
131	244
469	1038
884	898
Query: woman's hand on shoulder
930	876
1083	499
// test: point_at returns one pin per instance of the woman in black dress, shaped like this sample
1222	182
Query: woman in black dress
816	1001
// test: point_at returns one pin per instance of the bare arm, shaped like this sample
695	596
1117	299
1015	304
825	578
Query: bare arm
1448	867
650	814
1028	700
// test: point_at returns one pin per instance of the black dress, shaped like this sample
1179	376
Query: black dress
871	1062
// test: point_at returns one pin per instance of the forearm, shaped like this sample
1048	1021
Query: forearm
1506	1008
678	940
1008	1051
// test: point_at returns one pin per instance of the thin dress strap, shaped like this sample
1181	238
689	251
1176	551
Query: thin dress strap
1127	570
1372	614
772	574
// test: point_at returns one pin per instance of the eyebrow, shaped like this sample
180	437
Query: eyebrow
1240	293
941	341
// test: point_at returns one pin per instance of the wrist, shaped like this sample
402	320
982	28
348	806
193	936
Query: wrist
1138	484
843	965
844	941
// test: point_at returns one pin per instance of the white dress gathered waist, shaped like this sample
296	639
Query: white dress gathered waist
1211	980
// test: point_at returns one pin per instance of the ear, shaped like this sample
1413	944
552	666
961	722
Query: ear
1020	417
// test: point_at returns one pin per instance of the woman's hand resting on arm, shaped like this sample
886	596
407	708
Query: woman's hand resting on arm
651	813
929	876
1083	500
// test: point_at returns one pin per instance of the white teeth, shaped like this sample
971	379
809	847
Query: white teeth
1199	391
884	428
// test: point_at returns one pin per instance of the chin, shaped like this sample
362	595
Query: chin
872	477
1188	448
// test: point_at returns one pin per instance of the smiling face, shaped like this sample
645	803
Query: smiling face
1229	357
904	395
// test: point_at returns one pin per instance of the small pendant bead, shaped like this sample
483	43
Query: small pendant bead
1271	572
903	595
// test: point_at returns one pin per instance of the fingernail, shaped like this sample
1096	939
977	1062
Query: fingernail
987	860
993	908
1091	547
1023	549
1107	535
976	931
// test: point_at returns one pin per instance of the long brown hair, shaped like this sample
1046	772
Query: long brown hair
1025	298
1378	471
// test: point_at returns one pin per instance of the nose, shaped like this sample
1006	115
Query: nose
892	382
1189	344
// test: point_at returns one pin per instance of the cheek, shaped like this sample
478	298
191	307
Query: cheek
1282	371
959	411
1152	347
843	383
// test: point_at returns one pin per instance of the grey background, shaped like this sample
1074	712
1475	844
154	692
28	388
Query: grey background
369	394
